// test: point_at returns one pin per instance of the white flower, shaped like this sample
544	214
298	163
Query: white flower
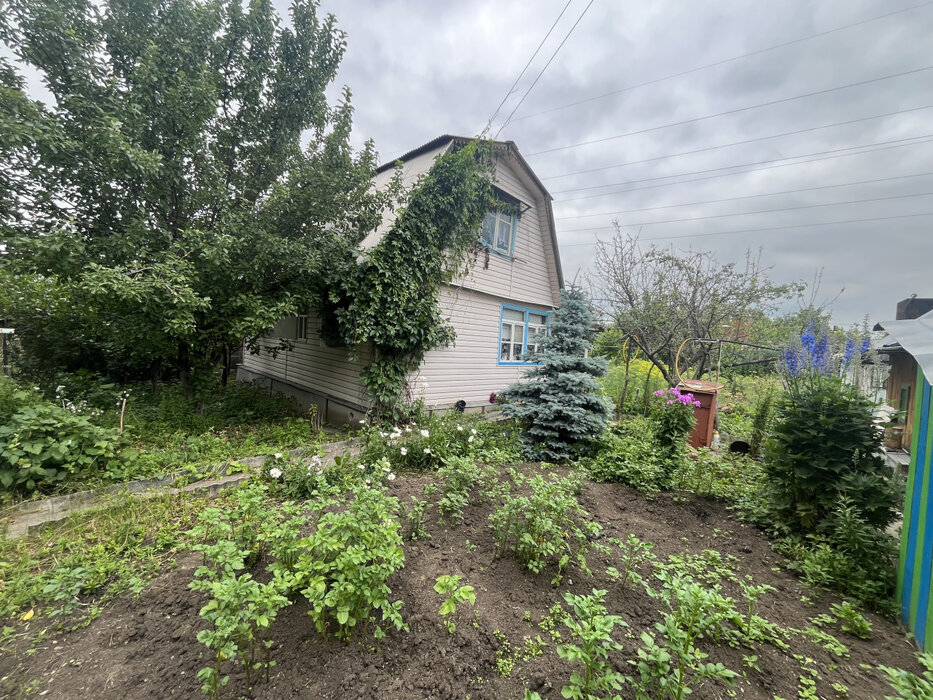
395	436
368	482
470	439
427	451
386	469
382	434
363	421
275	472
316	461
362	467
391	476
404	451
277	455
319	472
473	430
425	433
407	429
459	428
396	430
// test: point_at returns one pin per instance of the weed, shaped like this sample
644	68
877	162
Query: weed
634	553
851	620
412	515
910	686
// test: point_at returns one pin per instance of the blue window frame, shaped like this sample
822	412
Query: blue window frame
520	332
498	232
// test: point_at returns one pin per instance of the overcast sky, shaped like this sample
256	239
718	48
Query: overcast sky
420	68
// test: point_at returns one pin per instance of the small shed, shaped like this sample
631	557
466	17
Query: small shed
915	566
706	393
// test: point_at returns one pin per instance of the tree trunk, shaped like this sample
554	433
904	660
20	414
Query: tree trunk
155	369
184	372
225	375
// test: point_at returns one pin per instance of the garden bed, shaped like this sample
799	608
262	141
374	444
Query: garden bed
147	647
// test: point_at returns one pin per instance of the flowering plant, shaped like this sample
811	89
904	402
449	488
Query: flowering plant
672	411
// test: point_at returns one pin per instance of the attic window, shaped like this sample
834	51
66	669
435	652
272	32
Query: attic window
499	231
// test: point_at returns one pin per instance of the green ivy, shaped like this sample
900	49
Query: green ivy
389	300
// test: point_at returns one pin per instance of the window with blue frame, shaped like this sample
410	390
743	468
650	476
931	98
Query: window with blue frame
499	231
521	331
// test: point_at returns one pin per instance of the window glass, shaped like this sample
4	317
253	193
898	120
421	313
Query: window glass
489	229
513	315
504	240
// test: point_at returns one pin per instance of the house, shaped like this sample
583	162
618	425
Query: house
915	568
901	385
498	308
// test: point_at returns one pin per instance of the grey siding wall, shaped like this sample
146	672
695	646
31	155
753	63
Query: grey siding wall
312	364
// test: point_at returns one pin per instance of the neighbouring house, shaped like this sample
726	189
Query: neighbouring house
499	309
915	569
901	386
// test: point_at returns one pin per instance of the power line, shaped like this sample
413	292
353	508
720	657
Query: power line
731	111
768	228
736	143
520	75
723	62
867	148
747	196
531	87
761	211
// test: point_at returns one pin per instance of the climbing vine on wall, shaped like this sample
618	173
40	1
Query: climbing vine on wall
390	299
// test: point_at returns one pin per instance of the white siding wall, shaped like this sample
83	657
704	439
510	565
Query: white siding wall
529	276
468	369
314	365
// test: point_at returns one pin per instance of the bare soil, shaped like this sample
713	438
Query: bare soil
144	648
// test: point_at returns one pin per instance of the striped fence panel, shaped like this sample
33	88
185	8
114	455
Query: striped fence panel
914	574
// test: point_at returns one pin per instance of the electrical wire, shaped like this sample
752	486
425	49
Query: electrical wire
531	87
760	211
520	75
736	143
723	61
868	148
737	110
747	196
759	230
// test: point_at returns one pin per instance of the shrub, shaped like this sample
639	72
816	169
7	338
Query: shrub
561	408
42	444
631	395
546	527
629	455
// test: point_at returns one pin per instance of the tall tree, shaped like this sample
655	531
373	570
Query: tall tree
167	195
660	297
561	407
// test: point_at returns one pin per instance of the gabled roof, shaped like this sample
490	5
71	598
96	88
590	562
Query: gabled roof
507	148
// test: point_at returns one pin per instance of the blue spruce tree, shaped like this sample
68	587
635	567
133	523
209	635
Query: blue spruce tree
560	407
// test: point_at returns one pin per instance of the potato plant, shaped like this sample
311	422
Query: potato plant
343	565
450	587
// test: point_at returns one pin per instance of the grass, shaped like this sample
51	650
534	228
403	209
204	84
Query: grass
69	570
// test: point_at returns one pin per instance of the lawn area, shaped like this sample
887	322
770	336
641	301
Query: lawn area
471	574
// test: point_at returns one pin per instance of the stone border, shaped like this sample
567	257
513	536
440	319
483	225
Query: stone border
28	517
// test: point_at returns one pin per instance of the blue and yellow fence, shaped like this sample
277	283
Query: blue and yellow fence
915	569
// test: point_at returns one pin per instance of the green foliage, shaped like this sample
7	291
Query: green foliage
629	382
390	299
910	686
728	477
825	447
430	443
560	408
760	423
738	403
42	444
548	526
450	587
635	552
672	414
591	629
851	620
413	519
169	155
345	562
628	454
69	570
462	482
668	669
